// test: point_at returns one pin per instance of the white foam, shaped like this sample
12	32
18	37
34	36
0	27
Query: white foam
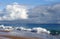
2	26
6	28
41	30
37	29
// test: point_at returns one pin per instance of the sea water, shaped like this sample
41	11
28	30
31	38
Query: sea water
47	26
30	34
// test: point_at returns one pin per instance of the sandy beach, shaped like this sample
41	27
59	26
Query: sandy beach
15	37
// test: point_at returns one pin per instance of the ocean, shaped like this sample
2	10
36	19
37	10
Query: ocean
47	26
43	27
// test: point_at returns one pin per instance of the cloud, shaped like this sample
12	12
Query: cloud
45	14
14	11
38	14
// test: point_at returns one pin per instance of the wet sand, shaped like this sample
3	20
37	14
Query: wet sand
7	36
15	37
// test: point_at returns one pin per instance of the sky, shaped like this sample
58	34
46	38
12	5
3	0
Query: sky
3	3
18	9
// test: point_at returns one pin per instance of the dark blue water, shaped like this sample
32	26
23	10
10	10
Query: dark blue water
47	26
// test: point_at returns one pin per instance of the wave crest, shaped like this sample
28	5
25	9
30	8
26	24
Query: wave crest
35	30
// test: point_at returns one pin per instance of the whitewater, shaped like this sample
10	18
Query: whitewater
38	32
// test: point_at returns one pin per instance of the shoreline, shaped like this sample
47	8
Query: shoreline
16	37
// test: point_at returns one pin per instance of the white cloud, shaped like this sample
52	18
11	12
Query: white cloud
15	11
39	14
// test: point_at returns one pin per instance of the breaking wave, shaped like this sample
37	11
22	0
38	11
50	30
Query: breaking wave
34	30
38	30
29	32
